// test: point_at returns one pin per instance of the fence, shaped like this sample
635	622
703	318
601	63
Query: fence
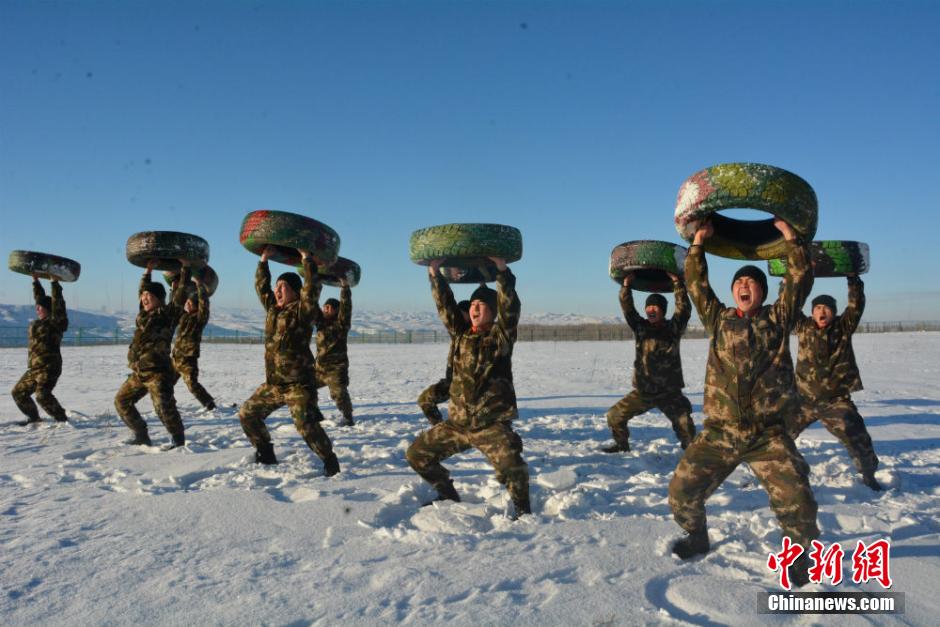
84	336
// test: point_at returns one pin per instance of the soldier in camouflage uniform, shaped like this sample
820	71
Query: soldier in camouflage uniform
332	365
826	376
440	391
188	341
149	360
482	397
291	309
657	369
749	397
45	359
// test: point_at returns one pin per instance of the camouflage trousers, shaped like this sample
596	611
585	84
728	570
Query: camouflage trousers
674	405
429	399
39	381
188	368
337	380
498	442
841	418
776	463
301	399
159	384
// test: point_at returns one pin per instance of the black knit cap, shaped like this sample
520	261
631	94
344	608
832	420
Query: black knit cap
333	302
154	288
292	279
464	306
45	302
487	295
755	273
827	300
657	300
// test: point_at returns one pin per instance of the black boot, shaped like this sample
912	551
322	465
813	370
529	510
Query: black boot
799	571
31	421
141	438
617	448
446	492
264	454
693	544
522	506
210	406
433	414
178	440
330	465
868	478
347	421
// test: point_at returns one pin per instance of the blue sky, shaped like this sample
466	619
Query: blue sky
575	122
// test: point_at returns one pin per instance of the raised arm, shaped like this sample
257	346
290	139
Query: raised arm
444	300
634	320
59	314
202	300
798	281
508	306
38	292
178	297
856	307
345	307
263	283
680	319
310	292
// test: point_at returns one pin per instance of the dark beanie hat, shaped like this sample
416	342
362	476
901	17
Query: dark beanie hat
333	302
292	279
464	306
827	300
45	302
755	273
154	288
486	294
657	300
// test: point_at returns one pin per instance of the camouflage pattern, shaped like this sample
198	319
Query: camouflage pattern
332	365
188	369
674	405
187	344
750	394
841	418
776	463
497	441
151	368
438	392
288	331
44	358
482	396
301	399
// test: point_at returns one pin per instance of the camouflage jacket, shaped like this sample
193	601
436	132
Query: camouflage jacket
825	365
657	367
150	348
45	336
288	330
749	381
481	390
189	332
332	334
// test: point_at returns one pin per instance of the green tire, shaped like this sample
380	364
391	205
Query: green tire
831	258
465	245
342	268
477	274
166	248
206	274
287	233
746	186
650	261
44	265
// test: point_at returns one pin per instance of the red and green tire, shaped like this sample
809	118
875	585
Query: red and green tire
467	246
286	234
746	186
831	258
205	274
165	249
44	265
650	262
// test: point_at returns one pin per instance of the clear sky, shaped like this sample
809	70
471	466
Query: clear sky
575	122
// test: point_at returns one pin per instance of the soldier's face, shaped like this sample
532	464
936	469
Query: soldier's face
41	312
148	301
329	311
654	314
480	314
284	294
823	316
748	294
190	306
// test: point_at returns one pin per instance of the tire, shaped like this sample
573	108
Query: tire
44	265
165	248
831	258
746	186
649	261
286	233
341	268
465	245
477	274
206	274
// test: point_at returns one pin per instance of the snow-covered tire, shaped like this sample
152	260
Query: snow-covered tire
166	248
477	274
287	233
44	265
831	258
206	274
465	245
649	261
341	268
746	186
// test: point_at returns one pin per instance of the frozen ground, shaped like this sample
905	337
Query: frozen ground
96	532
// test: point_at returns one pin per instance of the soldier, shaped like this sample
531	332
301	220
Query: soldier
332	365
826	376
749	396
482	397
189	339
149	360
657	368
440	391
289	380
45	358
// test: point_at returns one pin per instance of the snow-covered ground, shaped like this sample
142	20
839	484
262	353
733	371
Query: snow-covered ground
96	532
